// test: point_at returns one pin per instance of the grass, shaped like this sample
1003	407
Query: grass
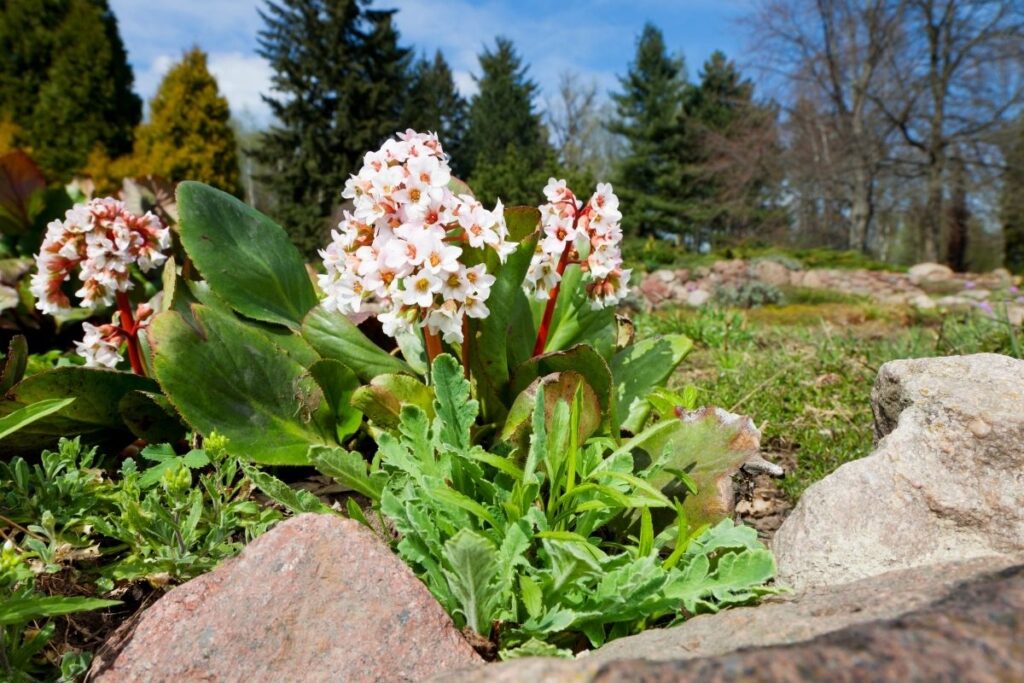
804	372
647	254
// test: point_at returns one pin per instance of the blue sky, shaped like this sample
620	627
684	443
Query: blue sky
595	38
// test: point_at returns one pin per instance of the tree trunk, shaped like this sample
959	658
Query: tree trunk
862	209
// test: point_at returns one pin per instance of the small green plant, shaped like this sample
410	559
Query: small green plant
564	540
66	515
748	295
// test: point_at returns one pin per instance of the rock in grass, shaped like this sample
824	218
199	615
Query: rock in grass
318	598
945	483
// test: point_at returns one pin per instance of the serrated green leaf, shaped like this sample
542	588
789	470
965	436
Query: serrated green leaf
471	565
296	501
456	411
347	468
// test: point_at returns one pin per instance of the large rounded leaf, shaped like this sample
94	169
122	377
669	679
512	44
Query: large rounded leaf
229	377
640	368
334	336
558	386
246	257
580	358
151	416
94	415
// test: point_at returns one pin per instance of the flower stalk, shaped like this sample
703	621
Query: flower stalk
130	331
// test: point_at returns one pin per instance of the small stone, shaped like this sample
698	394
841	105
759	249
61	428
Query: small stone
979	428
698	297
930	272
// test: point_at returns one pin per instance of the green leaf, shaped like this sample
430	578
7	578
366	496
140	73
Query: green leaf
338	384
230	378
296	501
347	468
456	411
15	362
471	566
29	414
382	399
22	610
574	322
246	257
580	358
94	415
708	445
557	387
151	416
640	368
490	337
335	336
532	596
167	459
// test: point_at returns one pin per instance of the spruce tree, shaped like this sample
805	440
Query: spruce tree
1012	204
65	81
341	77
651	175
434	104
506	144
727	134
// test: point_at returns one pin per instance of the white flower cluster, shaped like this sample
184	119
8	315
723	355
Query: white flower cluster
589	235
102	239
401	243
101	345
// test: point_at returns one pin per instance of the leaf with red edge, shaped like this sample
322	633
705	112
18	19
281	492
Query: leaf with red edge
20	178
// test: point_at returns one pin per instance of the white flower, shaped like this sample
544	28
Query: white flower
589	235
419	289
100	240
100	346
402	241
445	320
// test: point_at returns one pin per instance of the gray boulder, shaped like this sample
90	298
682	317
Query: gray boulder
946	481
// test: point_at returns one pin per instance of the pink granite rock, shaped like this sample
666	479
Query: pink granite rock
318	598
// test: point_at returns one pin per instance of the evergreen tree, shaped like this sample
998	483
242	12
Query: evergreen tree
434	104
188	135
651	175
729	140
65	81
506	143
1012	204
341	77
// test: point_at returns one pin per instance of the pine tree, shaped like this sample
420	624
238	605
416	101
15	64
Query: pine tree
188	135
1012	204
65	81
434	104
506	144
341	77
651	173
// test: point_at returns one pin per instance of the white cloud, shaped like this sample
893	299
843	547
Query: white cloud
243	79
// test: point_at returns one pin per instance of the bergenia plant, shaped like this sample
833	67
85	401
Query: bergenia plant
588	235
100	240
403	244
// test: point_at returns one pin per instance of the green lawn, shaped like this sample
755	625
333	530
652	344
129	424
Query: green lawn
804	372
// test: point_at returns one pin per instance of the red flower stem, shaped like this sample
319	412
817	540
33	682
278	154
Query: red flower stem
124	307
465	345
549	310
433	343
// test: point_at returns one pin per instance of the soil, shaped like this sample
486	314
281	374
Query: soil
760	503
